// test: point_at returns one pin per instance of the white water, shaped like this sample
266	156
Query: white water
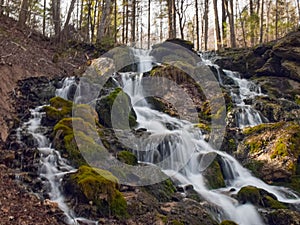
52	166
179	151
247	90
174	145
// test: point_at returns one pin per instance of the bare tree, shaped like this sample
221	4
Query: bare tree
104	20
70	11
181	9
149	22
224	23
23	15
229	11
217	26
56	17
44	17
205	18
171	18
197	25
261	22
133	24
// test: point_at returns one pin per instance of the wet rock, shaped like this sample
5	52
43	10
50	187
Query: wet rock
122	106
282	217
276	149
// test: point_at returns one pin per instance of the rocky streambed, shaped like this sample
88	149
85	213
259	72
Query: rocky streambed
269	150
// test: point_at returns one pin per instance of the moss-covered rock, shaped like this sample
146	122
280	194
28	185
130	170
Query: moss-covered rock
59	108
127	157
282	217
259	197
249	194
98	187
162	191
74	143
273	150
121	101
228	222
214	176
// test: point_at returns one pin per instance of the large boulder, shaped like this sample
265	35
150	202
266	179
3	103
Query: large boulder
117	102
272	151
95	187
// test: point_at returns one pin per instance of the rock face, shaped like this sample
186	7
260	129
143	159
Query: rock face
272	151
278	59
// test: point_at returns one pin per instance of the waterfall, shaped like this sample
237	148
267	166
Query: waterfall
177	147
52	166
174	145
246	115
144	60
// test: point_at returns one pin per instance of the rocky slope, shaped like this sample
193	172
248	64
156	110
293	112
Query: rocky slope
25	54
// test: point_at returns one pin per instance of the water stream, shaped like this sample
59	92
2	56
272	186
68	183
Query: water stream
174	145
182	147
52	166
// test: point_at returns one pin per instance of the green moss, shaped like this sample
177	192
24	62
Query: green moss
255	167
249	194
228	222
100	187
162	191
214	176
127	157
297	99
176	222
58	109
86	112
118	205
203	126
295	183
280	149
58	102
75	144
123	107
262	127
272	203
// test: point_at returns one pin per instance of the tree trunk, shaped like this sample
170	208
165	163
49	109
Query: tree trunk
231	24
1	7
149	22
23	13
261	22
56	18
127	21
205	18
81	15
170	18
298	7
133	22
174	18
104	21
242	26
44	17
123	21
71	8
224	23
115	21
217	26
252	22
276	20
197	26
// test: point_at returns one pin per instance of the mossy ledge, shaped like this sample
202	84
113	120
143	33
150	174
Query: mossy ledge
259	197
59	108
99	188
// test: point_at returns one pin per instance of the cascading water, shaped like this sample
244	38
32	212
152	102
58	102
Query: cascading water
174	145
52	166
181	147
246	115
